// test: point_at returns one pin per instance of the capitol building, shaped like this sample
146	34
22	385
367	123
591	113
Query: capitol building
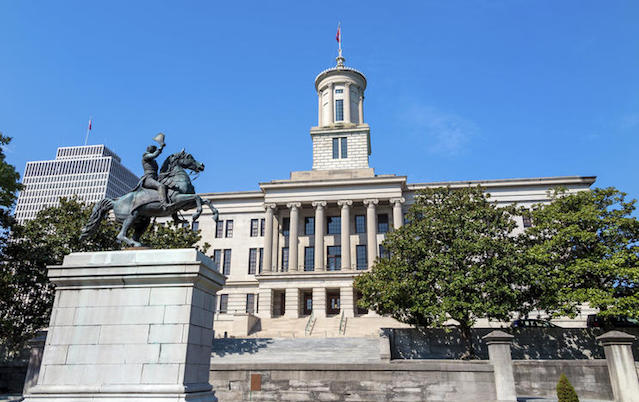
291	251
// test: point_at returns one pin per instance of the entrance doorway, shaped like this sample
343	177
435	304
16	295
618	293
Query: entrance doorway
307	302
279	303
332	302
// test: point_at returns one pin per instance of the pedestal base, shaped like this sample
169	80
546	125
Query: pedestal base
130	325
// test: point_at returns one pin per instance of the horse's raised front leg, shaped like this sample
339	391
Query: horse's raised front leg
214	211
198	210
125	227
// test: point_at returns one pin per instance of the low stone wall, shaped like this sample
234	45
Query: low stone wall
539	377
529	343
394	381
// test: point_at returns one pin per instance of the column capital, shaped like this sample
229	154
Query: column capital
319	204
347	83
272	207
371	202
292	205
345	203
396	201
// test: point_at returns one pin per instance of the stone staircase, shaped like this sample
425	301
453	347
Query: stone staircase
295	350
324	327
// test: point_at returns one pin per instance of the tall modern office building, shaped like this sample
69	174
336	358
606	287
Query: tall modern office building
90	172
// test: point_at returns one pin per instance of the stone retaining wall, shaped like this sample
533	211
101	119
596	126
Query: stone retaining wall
394	381
529	343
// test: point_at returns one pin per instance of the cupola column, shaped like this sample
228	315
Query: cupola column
331	104
347	102
361	109
319	108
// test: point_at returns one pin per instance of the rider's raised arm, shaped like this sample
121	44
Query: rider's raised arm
153	155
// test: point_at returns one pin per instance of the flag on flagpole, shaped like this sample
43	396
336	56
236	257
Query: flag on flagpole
338	37
89	128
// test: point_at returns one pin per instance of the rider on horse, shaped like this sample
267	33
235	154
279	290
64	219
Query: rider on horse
150	178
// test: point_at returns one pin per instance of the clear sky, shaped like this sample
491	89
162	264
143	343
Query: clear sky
457	90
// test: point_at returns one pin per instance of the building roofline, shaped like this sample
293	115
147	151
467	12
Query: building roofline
234	194
589	180
333	182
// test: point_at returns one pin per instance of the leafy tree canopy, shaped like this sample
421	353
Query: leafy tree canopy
170	235
583	248
9	185
455	258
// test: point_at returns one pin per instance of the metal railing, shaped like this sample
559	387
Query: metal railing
309	324
342	324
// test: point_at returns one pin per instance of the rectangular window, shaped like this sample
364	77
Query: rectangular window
217	258
284	259
382	223
261	259
219	229
224	303
262	227
252	265
286	227
254	228
360	224
227	261
309	225
334	258
344	147
360	253
383	252
250	303
229	228
335	148
309	258
339	91
527	221
334	224
339	110
196	226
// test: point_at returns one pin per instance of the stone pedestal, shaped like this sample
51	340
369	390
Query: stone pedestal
621	365
130	325
499	344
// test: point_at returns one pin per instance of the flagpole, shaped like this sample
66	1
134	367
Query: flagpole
86	138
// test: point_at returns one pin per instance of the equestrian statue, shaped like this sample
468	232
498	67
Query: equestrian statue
155	195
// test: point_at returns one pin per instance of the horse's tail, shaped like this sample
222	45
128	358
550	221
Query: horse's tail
99	211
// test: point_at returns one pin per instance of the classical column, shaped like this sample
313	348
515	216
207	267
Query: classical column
347	102
398	217
361	109
268	237
331	104
319	235
292	237
371	231
319	108
276	241
346	233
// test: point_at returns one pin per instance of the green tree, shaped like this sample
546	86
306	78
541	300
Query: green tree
9	187
565	390
25	292
170	235
455	258
583	248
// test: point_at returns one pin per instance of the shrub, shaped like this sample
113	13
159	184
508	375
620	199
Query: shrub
565	391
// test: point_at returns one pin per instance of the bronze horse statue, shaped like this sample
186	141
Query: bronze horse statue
136	208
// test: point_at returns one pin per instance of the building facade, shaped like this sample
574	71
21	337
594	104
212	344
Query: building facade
90	172
294	247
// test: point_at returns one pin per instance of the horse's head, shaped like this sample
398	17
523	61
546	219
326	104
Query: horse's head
183	160
187	161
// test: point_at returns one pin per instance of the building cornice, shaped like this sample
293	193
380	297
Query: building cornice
401	180
517	182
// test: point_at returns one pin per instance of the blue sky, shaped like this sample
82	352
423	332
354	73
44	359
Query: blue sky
457	90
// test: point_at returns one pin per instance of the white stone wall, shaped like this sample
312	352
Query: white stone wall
357	151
